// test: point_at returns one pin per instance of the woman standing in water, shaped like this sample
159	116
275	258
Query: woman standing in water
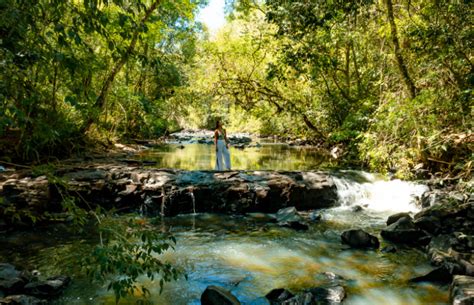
222	147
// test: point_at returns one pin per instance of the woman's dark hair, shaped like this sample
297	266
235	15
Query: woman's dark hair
217	123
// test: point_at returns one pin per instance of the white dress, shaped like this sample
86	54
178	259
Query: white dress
222	154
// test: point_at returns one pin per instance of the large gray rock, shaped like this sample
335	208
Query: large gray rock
21	300
214	295
359	239
461	291
404	231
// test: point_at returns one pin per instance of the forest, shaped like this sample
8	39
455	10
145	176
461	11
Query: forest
390	82
370	88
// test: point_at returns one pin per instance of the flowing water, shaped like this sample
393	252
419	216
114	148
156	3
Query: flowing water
249	255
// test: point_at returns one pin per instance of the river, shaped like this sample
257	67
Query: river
250	255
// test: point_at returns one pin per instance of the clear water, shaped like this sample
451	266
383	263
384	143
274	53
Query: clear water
267	157
248	254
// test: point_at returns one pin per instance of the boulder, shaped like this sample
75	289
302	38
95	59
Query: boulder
21	300
394	218
214	295
461	291
49	288
404	231
279	295
359	239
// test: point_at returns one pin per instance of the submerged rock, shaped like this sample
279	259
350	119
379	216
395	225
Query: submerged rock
461	291
404	231
22	300
359	239
214	295
287	215
289	218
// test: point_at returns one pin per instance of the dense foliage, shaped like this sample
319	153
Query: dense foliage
390	81
95	67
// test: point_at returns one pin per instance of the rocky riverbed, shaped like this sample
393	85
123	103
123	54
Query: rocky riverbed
170	192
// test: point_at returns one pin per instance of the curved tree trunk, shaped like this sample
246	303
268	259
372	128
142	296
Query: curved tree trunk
101	100
398	53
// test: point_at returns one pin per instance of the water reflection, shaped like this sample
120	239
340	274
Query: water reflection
266	157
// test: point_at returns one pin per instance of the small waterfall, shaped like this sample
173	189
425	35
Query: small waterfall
191	193
377	194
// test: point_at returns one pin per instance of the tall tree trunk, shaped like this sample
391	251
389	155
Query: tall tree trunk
398	53
101	100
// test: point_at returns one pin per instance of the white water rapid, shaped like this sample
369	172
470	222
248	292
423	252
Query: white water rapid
374	193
